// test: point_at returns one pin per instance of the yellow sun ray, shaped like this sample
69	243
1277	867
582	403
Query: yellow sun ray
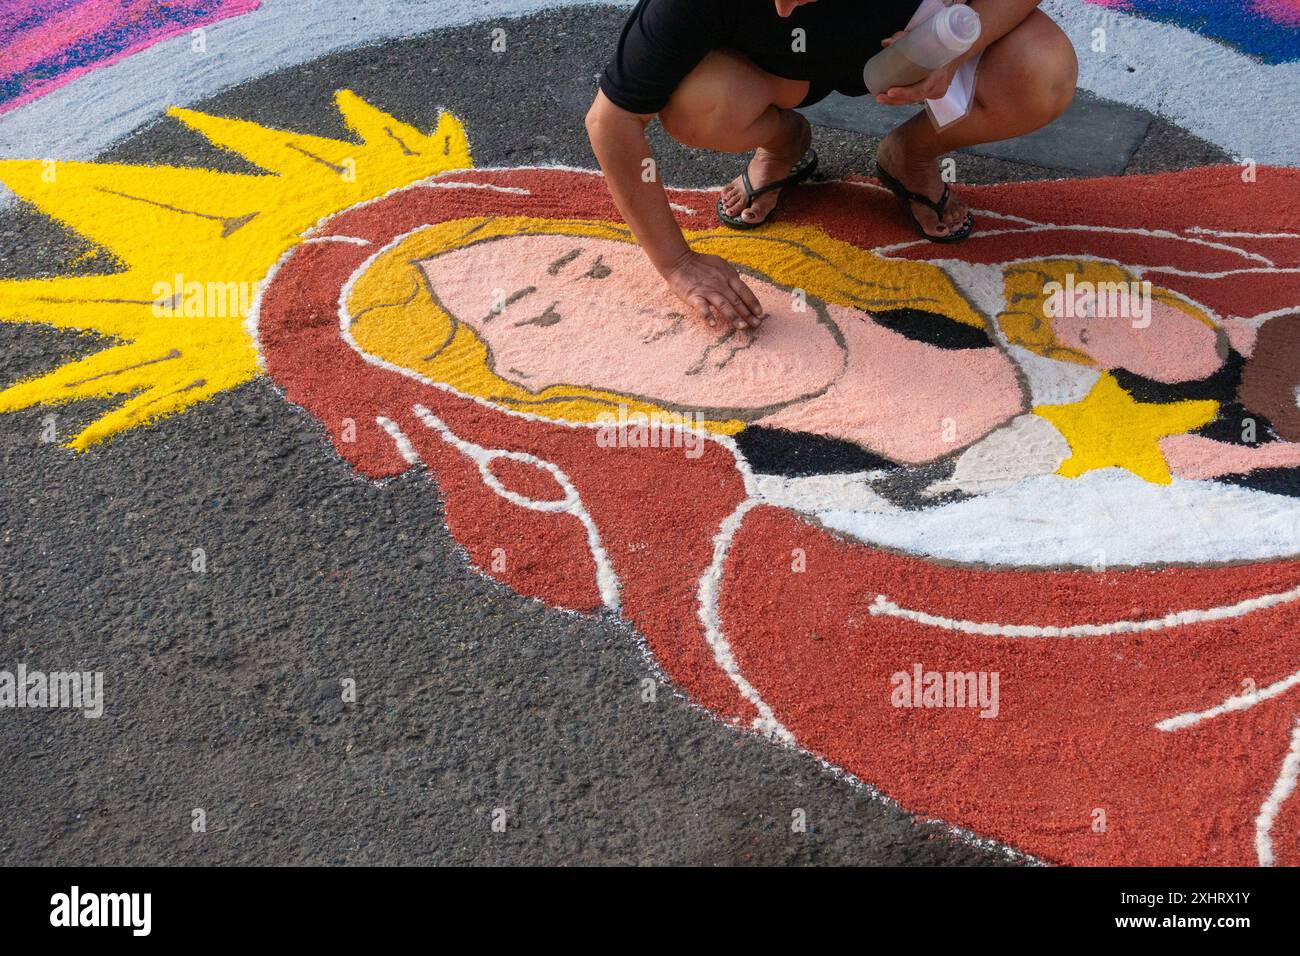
187	236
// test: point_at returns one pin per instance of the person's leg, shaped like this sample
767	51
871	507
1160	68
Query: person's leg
729	104
1026	80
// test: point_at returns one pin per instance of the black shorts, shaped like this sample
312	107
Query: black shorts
663	40
818	90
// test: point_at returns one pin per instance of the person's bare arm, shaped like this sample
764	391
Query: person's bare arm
706	283
997	19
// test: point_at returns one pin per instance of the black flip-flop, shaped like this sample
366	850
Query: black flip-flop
802	170
907	197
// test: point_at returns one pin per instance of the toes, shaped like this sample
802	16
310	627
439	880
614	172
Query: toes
735	209
930	223
732	198
955	214
761	207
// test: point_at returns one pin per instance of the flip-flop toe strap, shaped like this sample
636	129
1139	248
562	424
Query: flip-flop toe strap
937	207
801	171
796	176
750	191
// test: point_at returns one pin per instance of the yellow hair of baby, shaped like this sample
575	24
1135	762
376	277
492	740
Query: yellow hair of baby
1026	320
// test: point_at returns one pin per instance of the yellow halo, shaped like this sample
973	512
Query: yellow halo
187	241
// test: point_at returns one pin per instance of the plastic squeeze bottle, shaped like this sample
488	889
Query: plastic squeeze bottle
922	50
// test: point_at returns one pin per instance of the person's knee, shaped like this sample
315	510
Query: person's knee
1063	76
1050	71
695	121
697	115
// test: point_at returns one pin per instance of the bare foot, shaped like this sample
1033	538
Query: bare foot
768	166
922	177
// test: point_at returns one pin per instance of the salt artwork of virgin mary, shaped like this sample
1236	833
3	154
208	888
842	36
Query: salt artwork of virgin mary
913	467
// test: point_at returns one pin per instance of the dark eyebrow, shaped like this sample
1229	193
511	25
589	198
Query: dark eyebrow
598	269
545	320
515	297
555	267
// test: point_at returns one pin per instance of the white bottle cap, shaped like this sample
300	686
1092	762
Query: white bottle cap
957	27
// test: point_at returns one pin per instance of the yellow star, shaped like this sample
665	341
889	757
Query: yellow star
1109	429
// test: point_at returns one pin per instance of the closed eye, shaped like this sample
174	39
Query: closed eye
515	297
555	267
545	320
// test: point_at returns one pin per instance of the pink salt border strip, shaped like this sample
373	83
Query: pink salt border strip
1285	12
85	19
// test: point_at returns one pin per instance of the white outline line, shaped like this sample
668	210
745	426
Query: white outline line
1234	703
1270	267
1285	783
571	504
457	184
353	240
1201	230
404	446
1254	270
1283	787
710	590
887	251
883	606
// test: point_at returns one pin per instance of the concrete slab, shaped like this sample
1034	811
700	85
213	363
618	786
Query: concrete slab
1094	137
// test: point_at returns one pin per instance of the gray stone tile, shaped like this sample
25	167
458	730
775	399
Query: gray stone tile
1095	136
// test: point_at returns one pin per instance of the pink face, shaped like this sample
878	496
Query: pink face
1174	347
564	310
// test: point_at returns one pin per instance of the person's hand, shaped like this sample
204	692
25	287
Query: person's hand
931	88
712	287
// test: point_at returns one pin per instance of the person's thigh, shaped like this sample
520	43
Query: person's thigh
1027	77
719	103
